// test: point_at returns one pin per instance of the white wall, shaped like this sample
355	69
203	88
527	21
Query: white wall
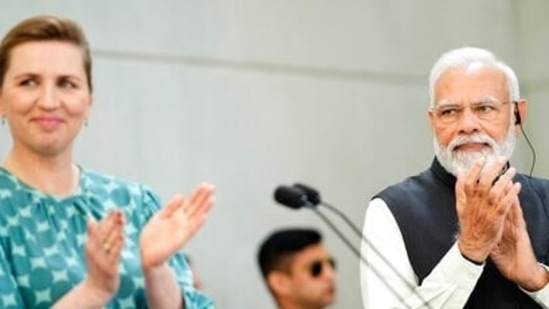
534	48
252	94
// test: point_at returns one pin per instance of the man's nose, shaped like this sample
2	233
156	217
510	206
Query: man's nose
329	271
468	121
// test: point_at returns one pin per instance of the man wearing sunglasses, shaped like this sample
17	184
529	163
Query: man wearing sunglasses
298	271
469	232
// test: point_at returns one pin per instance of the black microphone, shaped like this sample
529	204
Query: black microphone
297	197
292	197
312	194
304	196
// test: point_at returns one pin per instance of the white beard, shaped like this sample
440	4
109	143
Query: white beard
455	161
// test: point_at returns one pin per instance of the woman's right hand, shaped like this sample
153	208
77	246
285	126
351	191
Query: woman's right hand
103	252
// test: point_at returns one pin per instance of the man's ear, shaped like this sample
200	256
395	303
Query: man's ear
279	282
431	115
520	110
519	113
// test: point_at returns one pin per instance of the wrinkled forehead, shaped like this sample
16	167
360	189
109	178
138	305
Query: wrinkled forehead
472	101
475	83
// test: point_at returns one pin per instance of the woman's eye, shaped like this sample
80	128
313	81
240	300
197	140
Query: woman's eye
67	84
28	82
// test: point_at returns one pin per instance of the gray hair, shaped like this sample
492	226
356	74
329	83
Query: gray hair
463	58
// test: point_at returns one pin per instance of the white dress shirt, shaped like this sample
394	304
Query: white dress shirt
388	279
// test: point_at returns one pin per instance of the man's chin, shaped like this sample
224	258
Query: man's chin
328	300
329	296
460	160
466	159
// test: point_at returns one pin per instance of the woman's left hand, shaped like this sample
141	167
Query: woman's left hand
172	227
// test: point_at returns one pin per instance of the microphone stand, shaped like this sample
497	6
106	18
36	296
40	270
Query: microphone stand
410	285
355	251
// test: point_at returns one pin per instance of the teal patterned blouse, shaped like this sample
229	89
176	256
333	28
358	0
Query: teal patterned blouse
42	241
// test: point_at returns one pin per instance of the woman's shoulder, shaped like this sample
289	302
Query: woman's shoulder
92	179
101	178
6	178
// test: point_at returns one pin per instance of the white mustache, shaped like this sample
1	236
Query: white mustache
453	160
475	138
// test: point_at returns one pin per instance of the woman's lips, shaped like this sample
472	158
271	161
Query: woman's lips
48	123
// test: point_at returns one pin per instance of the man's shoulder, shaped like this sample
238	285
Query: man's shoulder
534	179
540	185
409	183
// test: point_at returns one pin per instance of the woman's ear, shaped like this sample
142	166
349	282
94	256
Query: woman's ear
2	111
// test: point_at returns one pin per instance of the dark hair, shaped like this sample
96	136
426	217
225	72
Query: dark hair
277	250
44	28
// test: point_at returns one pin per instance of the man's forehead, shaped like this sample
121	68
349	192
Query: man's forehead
313	252
477	100
472	70
467	86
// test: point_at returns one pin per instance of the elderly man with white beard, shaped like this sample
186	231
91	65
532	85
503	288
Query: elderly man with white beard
468	232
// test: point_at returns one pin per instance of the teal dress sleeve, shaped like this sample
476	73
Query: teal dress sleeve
193	298
9	294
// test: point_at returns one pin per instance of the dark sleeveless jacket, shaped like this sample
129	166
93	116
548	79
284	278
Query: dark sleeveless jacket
424	209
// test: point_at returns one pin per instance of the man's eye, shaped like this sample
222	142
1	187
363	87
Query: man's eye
448	111
485	108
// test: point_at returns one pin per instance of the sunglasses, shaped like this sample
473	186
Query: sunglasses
317	267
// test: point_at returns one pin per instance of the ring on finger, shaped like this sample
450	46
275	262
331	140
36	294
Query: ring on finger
106	247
